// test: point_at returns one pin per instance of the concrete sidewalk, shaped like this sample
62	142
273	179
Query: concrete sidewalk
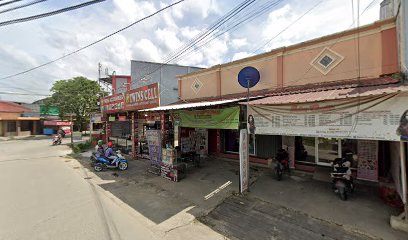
362	212
172	207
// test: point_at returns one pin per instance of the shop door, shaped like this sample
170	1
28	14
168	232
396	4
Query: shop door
212	140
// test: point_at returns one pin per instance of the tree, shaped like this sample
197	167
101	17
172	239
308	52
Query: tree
78	96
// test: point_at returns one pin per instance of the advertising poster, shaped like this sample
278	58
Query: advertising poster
153	138
378	117
226	118
367	160
243	160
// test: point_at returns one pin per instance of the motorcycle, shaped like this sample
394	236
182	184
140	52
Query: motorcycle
100	163
281	164
342	179
57	140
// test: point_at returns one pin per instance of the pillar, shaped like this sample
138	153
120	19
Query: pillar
18	128
134	134
35	126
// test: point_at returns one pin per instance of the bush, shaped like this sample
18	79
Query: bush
81	147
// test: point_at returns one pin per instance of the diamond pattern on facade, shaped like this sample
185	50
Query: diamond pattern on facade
197	85
326	61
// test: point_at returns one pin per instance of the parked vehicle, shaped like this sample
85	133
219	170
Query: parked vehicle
281	163
100	163
57	140
342	178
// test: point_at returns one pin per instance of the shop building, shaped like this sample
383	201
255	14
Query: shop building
16	120
150	85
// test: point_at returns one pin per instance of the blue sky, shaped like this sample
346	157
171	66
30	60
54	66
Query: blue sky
29	44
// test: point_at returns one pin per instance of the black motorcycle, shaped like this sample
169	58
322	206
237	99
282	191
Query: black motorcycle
281	163
342	179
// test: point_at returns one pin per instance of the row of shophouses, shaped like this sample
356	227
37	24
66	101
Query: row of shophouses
317	99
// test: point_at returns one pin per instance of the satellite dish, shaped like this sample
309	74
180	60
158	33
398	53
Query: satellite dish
248	77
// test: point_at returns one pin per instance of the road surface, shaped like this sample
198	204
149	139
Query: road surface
43	197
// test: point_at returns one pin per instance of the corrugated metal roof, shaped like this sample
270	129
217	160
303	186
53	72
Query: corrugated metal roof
333	94
192	105
12	107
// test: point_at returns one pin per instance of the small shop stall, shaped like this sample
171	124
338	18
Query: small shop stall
51	127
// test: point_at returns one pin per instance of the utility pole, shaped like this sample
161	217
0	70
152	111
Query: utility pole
72	132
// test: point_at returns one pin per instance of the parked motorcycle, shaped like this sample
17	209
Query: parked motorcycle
342	178
100	163
57	140
281	163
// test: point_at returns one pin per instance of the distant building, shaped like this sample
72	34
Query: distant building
17	120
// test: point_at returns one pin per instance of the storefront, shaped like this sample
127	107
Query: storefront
318	127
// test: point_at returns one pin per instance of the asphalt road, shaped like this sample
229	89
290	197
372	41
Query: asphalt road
43	197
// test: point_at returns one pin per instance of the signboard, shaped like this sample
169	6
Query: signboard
113	103
96	118
367	160
381	117
122	118
243	160
226	118
57	123
153	138
143	97
139	98
53	111
111	118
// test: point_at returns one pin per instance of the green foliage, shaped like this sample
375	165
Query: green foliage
78	96
81	147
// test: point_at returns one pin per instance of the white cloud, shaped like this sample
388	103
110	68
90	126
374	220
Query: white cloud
239	42
240	55
146	51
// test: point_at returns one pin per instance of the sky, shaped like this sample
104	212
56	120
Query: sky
27	45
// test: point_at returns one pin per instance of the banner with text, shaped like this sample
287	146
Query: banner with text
226	118
135	99
381	117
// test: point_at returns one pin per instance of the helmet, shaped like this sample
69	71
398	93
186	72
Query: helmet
100	142
110	144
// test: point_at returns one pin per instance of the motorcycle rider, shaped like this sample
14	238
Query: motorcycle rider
61	132
99	148
110	155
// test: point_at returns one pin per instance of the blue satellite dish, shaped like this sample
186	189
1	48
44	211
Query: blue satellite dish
248	77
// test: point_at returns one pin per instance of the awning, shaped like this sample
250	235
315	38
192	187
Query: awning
21	119
340	93
192	105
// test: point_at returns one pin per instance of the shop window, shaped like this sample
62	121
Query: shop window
328	150
305	149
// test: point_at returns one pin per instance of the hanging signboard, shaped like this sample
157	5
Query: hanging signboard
96	118
153	138
381	117
135	99
122	118
226	118
243	160
111	118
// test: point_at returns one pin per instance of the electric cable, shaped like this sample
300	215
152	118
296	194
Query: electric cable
48	14
93	43
22	6
10	2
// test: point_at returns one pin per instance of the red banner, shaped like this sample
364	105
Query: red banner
135	99
56	123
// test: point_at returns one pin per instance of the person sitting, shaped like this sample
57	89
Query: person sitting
109	154
61	132
99	148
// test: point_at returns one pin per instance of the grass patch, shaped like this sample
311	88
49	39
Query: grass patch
81	147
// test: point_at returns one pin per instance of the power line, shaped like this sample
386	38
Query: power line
48	14
22	6
93	43
288	26
7	3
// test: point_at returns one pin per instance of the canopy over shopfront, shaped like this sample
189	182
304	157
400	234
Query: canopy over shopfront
371	113
368	114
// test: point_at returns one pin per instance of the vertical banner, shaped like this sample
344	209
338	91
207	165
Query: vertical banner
243	160
154	142
367	160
